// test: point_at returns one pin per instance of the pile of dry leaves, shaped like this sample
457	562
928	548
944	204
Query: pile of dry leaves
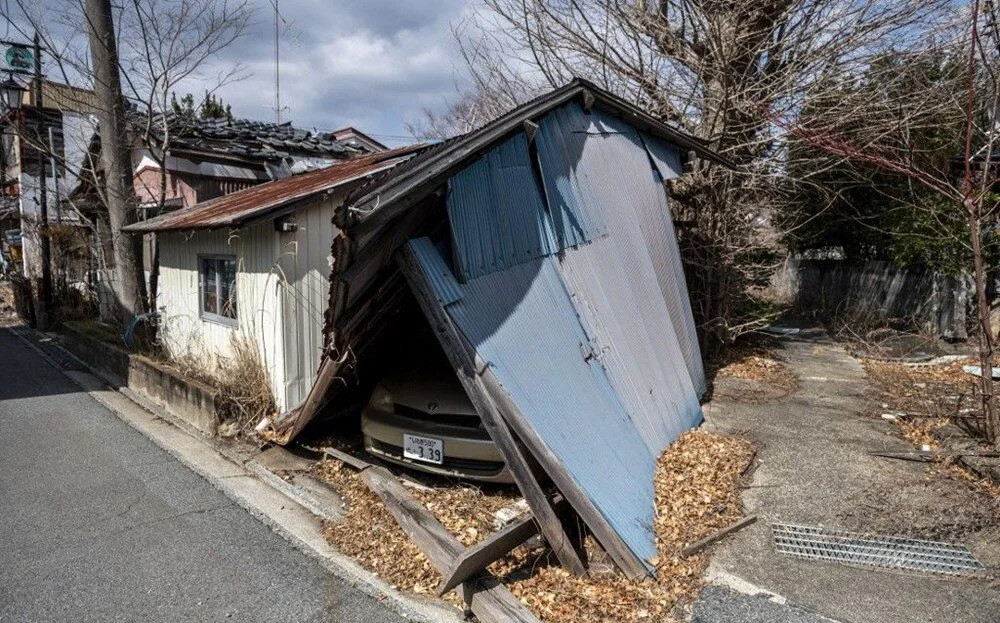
370	535
697	494
754	375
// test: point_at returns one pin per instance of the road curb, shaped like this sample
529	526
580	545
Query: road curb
287	511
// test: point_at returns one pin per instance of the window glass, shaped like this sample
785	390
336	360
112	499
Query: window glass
218	287
210	298
227	288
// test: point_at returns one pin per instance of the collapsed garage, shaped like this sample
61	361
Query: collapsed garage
540	253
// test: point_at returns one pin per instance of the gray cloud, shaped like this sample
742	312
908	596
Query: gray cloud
371	64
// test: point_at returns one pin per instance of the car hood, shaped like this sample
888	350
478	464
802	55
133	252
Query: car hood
431	389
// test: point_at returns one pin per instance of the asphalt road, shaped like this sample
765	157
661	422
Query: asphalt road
99	524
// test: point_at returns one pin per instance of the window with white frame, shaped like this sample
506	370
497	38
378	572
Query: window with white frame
217	277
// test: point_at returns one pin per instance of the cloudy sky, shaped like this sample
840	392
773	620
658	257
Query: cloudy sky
371	64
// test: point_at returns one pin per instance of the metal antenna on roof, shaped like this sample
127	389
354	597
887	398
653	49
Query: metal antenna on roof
277	67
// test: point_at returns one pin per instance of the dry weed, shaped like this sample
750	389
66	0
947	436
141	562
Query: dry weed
244	386
929	396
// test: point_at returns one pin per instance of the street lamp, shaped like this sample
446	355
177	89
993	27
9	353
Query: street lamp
11	93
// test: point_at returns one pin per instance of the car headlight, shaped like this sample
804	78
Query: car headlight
381	399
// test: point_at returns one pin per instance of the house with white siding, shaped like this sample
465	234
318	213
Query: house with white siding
256	263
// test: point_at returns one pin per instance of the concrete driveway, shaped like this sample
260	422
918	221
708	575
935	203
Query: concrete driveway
814	468
99	524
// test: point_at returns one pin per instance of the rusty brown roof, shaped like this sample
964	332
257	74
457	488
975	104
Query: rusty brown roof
239	208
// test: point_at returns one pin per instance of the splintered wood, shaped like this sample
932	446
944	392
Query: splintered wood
697	494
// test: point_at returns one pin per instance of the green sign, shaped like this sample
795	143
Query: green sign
19	58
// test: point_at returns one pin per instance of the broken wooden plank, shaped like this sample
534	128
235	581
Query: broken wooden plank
463	360
488	599
606	535
697	546
350	459
476	558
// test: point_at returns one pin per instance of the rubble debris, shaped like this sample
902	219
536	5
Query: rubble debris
489	600
978	371
717	536
697	494
508	514
476	558
926	455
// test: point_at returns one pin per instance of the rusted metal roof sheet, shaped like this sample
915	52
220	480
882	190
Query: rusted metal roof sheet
241	207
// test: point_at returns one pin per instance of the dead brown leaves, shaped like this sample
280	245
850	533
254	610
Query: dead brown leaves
697	493
928	396
371	536
697	488
465	510
762	368
752	374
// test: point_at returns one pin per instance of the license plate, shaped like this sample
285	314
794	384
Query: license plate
423	449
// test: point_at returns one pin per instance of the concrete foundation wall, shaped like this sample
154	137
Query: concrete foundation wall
190	400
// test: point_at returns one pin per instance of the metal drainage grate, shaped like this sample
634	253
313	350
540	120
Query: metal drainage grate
868	550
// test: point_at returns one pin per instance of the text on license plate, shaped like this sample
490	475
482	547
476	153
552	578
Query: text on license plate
424	449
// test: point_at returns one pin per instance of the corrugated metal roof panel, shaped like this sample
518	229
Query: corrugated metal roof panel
522	321
497	214
239	207
666	157
615	286
568	170
442	280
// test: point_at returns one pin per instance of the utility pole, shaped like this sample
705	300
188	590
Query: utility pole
116	157
45	297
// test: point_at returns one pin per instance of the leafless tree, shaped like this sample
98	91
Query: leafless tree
162	45
961	90
705	66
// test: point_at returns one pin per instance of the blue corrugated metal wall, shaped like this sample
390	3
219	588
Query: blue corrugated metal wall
562	140
522	322
574	293
657	226
497	213
666	157
434	266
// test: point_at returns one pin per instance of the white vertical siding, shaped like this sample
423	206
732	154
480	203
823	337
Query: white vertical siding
305	261
282	287
186	334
